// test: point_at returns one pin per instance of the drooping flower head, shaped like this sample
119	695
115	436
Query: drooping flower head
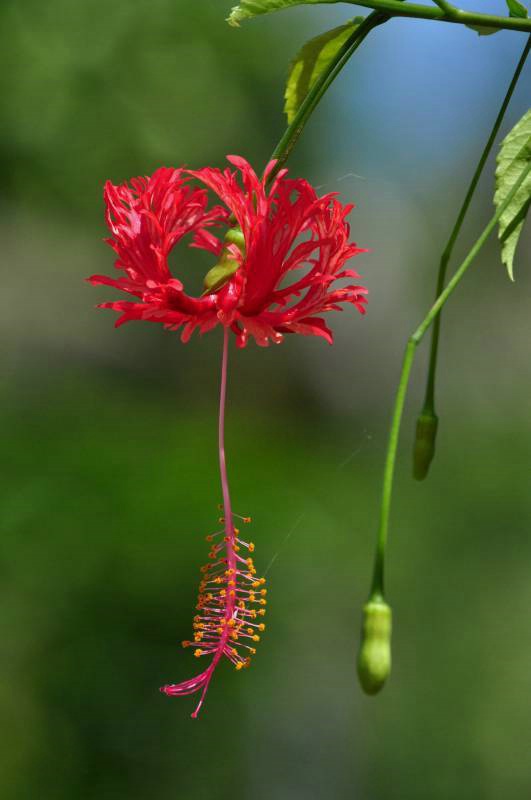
279	248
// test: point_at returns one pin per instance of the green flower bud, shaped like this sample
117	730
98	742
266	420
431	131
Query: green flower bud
235	236
374	659
424	448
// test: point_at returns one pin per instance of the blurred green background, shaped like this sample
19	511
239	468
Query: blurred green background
108	438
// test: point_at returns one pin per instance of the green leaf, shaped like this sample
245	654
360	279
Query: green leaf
514	155
251	8
311	61
483	30
516	9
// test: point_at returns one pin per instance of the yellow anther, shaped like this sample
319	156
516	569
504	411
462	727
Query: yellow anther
234	636
251	547
263	592
262	611
263	602
249	562
247	519
252	650
236	531
198	653
220	630
236	548
256	638
231	583
262	580
249	630
231	623
234	651
261	627
256	584
232	593
239	665
252	597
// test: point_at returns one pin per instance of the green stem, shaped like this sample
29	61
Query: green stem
429	402
385	9
377	589
397	8
446	7
310	102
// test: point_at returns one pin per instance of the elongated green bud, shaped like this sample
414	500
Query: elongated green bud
374	659
226	266
424	448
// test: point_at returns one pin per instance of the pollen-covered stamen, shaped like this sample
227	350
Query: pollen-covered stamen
228	587
226	623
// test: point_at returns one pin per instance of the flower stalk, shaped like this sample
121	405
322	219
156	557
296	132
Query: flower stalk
424	448
311	101
377	588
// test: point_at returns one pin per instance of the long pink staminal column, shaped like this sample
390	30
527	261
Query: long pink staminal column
228	618
227	513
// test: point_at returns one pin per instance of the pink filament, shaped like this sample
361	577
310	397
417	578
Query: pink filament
203	679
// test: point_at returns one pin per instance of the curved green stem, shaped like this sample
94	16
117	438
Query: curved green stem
397	8
446	7
377	589
384	10
429	401
310	102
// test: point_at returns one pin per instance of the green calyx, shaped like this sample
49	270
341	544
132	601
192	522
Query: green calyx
374	659
219	275
424	447
226	267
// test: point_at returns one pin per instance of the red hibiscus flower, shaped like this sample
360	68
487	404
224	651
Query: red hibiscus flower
276	266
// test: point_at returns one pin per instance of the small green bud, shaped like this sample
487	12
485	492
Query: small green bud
235	236
424	448
374	659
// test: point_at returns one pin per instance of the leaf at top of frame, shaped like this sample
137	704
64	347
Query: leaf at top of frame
311	60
